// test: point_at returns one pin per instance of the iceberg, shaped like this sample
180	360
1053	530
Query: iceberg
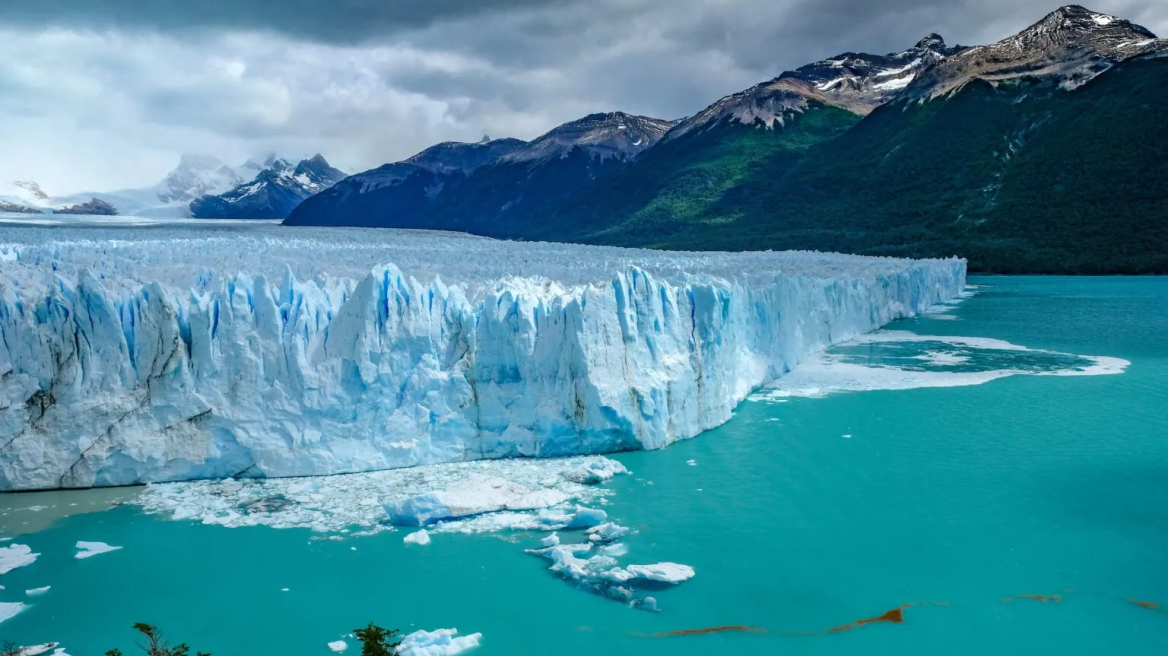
151	354
9	609
420	538
90	549
440	642
14	556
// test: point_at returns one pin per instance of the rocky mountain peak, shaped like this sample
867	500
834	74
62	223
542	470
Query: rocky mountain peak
611	134
1072	44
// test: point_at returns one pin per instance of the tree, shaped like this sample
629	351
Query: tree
376	641
155	645
10	648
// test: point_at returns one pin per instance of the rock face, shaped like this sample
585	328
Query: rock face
613	135
856	82
177	365
18	209
274	192
1071	44
94	207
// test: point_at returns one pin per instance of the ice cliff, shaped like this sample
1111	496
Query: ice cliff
149	354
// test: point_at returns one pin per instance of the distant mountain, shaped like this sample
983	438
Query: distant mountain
400	194
195	176
507	191
93	207
274	192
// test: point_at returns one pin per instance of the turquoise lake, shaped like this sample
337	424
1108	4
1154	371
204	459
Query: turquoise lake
954	501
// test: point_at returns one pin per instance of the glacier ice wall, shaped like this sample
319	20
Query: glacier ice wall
175	365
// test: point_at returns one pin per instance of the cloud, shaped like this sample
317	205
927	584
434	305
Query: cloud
100	95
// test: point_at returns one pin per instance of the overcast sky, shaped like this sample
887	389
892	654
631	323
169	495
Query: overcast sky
101	95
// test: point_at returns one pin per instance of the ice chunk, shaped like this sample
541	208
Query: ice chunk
338	646
36	592
201	354
417	537
9	609
661	572
586	518
14	556
37	650
551	540
90	549
595	471
474	496
440	642
607	532
339	503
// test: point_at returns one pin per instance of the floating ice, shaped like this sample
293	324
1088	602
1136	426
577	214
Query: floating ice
476	495
338	646
900	360
36	592
440	642
607	532
147	354
595	569
37	650
14	556
417	537
90	549
335	504
9	609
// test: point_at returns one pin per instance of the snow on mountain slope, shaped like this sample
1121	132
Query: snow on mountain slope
259	351
196	175
1072	43
274	192
857	82
615	134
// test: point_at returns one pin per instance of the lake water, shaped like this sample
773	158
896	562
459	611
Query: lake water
802	514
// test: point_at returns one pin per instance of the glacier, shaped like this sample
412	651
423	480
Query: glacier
158	353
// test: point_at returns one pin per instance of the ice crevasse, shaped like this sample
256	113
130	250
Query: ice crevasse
195	356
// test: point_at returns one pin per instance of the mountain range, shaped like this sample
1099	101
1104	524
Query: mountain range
1043	152
201	186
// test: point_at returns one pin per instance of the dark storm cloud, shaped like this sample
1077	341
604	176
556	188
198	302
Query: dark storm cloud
333	21
371	81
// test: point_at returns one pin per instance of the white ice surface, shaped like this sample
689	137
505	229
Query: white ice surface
37	650
14	556
421	537
440	642
36	592
142	354
9	609
338	646
90	549
833	372
339	504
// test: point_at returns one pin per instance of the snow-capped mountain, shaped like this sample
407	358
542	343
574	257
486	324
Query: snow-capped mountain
1072	43
615	134
274	192
857	82
197	175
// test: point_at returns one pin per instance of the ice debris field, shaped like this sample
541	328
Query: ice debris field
164	353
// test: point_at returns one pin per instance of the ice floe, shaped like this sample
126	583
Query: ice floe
14	556
36	592
338	646
595	569
440	642
901	360
90	549
506	494
37	650
9	609
421	537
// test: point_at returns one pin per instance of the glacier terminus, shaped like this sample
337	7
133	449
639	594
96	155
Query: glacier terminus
164	353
